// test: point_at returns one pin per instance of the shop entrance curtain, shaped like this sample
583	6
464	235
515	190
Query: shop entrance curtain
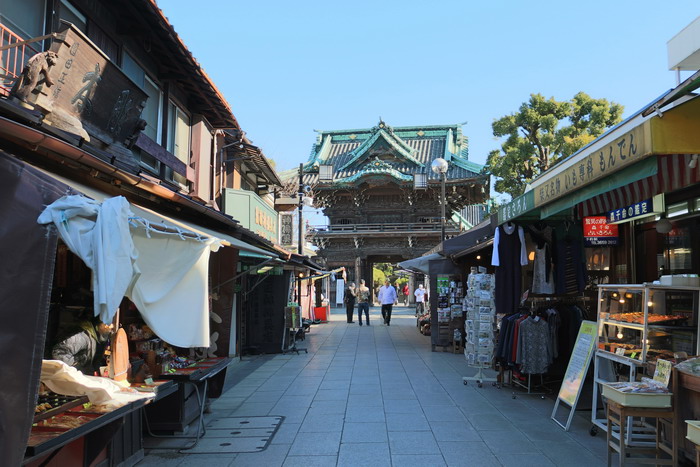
27	253
162	269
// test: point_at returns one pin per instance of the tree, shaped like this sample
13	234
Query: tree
542	132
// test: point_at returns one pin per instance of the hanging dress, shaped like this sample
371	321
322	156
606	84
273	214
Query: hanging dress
509	255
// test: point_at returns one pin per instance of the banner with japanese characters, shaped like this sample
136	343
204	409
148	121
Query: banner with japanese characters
597	232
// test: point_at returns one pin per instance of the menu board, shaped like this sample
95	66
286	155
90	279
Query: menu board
578	367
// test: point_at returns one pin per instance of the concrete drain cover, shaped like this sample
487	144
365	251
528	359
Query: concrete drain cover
237	434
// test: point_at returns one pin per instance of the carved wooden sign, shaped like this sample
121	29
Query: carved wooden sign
89	95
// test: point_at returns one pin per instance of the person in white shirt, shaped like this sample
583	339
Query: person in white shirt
387	298
420	300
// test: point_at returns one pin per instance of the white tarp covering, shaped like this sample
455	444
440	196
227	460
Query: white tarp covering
99	234
165	274
172	292
64	379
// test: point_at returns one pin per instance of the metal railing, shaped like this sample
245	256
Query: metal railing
14	53
389	227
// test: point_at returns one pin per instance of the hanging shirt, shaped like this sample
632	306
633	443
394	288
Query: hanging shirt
534	346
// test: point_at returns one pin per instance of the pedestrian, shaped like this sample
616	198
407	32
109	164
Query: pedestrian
406	293
363	301
387	298
349	300
397	288
420	300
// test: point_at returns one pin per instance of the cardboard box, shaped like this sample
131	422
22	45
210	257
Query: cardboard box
637	399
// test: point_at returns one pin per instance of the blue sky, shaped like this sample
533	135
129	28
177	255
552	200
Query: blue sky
287	68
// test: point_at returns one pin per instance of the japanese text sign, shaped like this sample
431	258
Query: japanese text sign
597	232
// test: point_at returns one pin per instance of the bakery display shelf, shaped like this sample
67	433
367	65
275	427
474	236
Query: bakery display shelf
623	324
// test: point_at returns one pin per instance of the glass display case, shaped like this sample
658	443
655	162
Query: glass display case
637	324
645	322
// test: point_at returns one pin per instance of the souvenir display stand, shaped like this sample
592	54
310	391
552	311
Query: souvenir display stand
479	325
638	323
449	298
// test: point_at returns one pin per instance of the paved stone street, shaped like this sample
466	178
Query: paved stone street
374	396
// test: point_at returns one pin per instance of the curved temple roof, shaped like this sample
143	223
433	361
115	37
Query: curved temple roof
397	153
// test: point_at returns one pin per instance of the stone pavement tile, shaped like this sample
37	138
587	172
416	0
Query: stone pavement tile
322	423
454	431
412	442
523	460
306	444
539	429
336	375
161	459
227	404
332	394
364	414
571	455
403	393
445	413
436	399
512	442
364	454
327	407
401	406
274	455
463	453
425	460
482	422
310	461
407	422
253	409
364	432
296	399
362	388
266	396
197	460
333	385
365	400
286	433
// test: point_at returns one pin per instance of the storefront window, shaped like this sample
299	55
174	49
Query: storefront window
678	251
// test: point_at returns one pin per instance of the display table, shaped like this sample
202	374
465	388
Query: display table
175	412
620	415
93	430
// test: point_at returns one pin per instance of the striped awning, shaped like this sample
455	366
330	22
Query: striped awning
673	174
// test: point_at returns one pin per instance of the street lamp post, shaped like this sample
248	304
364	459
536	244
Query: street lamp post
440	166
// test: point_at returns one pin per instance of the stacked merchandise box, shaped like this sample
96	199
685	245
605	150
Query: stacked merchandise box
480	319
450	293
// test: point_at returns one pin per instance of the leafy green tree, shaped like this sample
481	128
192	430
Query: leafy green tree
378	277
542	132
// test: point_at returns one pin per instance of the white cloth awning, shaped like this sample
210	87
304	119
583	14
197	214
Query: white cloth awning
155	217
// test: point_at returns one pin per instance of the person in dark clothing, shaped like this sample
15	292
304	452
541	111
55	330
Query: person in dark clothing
80	347
349	299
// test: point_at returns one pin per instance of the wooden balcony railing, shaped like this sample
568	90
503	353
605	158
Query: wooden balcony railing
14	53
340	229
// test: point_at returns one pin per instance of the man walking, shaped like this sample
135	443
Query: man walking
363	301
387	298
349	300
420	300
